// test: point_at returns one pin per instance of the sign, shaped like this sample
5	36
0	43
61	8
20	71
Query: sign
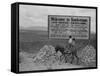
64	26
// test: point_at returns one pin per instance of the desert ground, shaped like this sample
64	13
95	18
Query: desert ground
31	41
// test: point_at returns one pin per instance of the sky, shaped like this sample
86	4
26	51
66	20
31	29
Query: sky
32	16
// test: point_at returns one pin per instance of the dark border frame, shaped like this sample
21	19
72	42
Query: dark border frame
15	36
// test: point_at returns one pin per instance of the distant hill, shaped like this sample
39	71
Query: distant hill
32	35
34	28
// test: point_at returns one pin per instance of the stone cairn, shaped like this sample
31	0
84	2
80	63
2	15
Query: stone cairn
47	56
87	56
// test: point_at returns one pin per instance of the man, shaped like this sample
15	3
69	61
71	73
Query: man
71	41
72	48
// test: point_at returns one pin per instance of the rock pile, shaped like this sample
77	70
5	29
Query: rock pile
87	56
47	56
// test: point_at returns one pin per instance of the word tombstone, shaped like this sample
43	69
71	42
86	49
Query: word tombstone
64	26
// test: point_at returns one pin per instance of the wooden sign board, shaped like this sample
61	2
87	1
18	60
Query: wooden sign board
61	27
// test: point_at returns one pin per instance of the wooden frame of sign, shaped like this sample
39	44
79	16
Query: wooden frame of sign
37	28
